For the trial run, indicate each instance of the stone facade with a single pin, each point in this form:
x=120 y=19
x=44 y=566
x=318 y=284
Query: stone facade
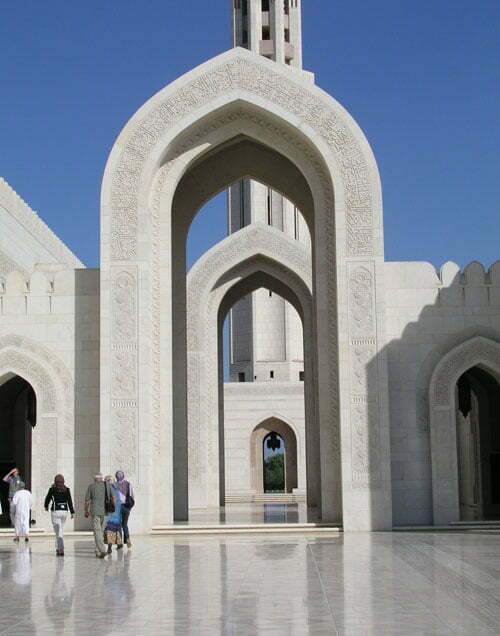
x=125 y=361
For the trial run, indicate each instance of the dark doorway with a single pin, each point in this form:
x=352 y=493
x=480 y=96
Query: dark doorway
x=17 y=419
x=274 y=463
x=478 y=445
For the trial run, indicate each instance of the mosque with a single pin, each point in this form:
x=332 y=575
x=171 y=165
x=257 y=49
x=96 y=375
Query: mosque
x=377 y=383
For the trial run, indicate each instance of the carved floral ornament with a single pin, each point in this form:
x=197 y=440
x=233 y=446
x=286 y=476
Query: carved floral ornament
x=477 y=351
x=50 y=378
x=270 y=84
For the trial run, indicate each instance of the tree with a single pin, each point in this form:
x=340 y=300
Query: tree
x=274 y=473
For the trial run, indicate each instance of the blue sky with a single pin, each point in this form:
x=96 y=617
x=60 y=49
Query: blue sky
x=421 y=78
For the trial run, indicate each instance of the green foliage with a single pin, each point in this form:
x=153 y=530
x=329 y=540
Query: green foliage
x=274 y=473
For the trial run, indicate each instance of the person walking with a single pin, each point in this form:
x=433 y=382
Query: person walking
x=61 y=504
x=22 y=502
x=126 y=495
x=97 y=498
x=113 y=529
x=12 y=478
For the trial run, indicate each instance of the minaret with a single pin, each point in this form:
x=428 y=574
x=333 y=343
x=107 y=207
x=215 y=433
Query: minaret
x=265 y=331
x=269 y=27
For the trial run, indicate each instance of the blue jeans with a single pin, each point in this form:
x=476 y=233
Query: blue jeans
x=125 y=513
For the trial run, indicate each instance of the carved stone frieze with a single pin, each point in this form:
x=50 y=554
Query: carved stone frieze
x=243 y=74
x=364 y=411
x=124 y=448
x=361 y=303
x=365 y=443
x=478 y=350
x=124 y=333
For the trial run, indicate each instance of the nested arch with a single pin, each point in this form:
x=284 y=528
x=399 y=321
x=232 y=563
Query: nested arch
x=257 y=256
x=477 y=352
x=235 y=104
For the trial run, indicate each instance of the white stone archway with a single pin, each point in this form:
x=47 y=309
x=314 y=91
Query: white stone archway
x=255 y=250
x=53 y=435
x=240 y=115
x=477 y=351
x=290 y=440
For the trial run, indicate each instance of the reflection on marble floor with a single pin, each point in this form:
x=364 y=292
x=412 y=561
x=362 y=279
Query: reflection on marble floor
x=384 y=583
x=251 y=513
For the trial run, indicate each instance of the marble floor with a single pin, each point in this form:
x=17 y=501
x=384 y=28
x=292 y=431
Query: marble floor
x=251 y=513
x=360 y=583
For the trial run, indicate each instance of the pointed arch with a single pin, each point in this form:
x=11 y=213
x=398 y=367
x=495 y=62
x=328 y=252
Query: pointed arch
x=286 y=432
x=258 y=254
x=477 y=351
x=172 y=155
x=53 y=387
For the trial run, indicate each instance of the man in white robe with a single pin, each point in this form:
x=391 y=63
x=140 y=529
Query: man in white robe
x=22 y=503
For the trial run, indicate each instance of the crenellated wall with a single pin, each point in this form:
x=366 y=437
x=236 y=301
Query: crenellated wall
x=427 y=314
x=50 y=320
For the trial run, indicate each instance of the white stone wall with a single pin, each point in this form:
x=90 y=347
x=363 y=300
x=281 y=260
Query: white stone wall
x=428 y=313
x=245 y=406
x=55 y=311
x=25 y=239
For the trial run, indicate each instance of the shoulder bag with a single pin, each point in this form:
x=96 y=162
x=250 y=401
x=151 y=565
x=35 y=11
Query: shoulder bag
x=129 y=500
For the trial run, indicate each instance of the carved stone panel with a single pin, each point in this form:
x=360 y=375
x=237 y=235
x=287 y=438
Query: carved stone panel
x=124 y=371
x=364 y=406
x=264 y=82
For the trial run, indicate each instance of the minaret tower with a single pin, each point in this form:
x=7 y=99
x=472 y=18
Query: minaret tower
x=269 y=27
x=265 y=331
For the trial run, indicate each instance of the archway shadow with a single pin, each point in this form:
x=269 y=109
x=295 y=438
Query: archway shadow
x=428 y=315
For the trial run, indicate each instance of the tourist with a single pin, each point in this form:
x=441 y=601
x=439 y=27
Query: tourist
x=22 y=502
x=126 y=495
x=59 y=498
x=99 y=501
x=113 y=529
x=12 y=478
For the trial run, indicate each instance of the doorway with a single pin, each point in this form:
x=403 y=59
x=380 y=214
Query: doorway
x=478 y=445
x=17 y=419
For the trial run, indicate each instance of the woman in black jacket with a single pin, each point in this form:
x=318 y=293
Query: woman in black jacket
x=59 y=499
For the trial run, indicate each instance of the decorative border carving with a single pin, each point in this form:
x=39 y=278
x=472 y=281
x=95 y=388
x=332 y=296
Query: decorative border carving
x=364 y=408
x=42 y=365
x=255 y=78
x=470 y=353
x=476 y=351
x=240 y=253
x=54 y=389
x=124 y=370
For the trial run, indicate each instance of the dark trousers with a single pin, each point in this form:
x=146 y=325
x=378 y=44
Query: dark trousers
x=125 y=513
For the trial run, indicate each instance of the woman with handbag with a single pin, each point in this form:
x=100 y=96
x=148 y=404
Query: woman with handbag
x=61 y=504
x=126 y=495
x=113 y=528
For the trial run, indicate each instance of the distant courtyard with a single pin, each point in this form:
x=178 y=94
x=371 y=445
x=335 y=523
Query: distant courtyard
x=357 y=583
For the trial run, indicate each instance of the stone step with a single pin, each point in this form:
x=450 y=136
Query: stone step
x=451 y=527
x=488 y=522
x=263 y=528
x=265 y=498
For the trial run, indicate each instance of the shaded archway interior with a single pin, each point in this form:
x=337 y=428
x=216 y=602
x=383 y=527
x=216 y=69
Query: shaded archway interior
x=240 y=158
x=17 y=419
x=267 y=279
x=214 y=171
x=478 y=444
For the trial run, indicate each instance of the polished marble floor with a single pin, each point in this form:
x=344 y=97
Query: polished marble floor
x=383 y=583
x=253 y=513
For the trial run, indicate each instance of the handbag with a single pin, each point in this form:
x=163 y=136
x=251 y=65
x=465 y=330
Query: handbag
x=129 y=500
x=109 y=504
